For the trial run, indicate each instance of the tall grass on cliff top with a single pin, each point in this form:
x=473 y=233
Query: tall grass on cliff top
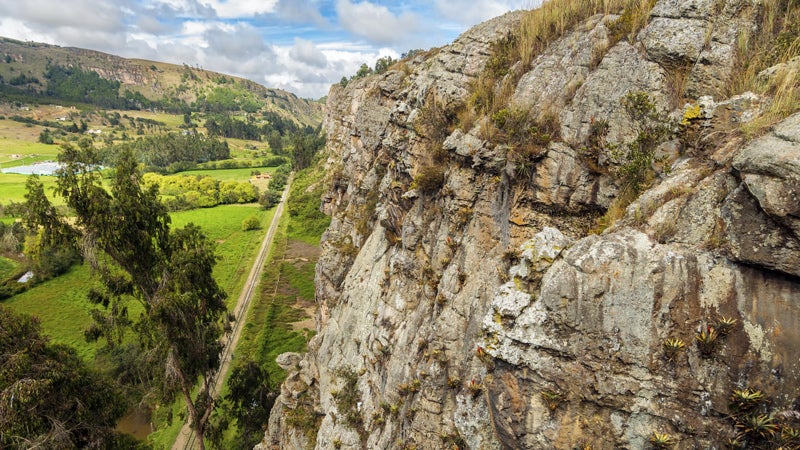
x=554 y=18
x=537 y=30
x=776 y=41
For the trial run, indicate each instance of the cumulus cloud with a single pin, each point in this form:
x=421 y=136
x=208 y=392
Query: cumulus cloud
x=173 y=10
x=240 y=41
x=302 y=46
x=81 y=14
x=221 y=9
x=232 y=9
x=376 y=22
x=300 y=11
x=306 y=52
x=471 y=12
x=151 y=25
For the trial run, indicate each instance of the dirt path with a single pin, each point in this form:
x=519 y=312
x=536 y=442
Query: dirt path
x=186 y=438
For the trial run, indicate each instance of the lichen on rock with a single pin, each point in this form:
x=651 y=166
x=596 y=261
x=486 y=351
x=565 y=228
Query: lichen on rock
x=481 y=311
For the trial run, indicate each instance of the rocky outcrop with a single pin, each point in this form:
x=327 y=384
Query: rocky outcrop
x=463 y=300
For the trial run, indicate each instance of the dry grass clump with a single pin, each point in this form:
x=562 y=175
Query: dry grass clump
x=776 y=41
x=513 y=54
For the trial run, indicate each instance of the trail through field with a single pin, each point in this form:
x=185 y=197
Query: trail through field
x=186 y=438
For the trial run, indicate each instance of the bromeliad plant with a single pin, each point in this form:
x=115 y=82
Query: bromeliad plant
x=707 y=341
x=661 y=441
x=745 y=400
x=552 y=399
x=672 y=347
x=755 y=428
x=725 y=325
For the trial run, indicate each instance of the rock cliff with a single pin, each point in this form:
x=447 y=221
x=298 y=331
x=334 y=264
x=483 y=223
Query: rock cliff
x=467 y=298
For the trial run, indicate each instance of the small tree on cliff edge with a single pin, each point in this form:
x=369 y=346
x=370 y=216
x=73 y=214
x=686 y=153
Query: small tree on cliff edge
x=128 y=241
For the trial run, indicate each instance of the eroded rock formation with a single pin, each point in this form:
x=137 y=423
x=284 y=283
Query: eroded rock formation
x=482 y=312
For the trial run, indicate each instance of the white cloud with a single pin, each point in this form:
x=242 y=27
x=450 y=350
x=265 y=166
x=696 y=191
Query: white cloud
x=300 y=45
x=222 y=9
x=151 y=25
x=235 y=9
x=81 y=14
x=239 y=41
x=376 y=22
x=306 y=52
x=300 y=11
x=472 y=12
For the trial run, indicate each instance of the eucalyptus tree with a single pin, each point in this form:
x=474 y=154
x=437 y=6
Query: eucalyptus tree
x=48 y=397
x=125 y=235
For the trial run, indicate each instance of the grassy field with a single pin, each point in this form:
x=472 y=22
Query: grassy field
x=170 y=120
x=229 y=174
x=7 y=267
x=236 y=249
x=12 y=188
x=61 y=303
x=61 y=306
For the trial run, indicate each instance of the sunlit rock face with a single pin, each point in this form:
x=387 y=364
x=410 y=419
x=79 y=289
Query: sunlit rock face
x=468 y=299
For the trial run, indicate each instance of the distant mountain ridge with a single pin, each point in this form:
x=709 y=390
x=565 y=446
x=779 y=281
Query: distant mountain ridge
x=24 y=65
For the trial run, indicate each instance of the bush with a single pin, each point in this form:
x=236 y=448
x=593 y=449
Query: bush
x=429 y=179
x=251 y=223
x=638 y=156
x=270 y=198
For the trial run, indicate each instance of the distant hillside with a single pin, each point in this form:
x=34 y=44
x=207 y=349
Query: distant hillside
x=28 y=68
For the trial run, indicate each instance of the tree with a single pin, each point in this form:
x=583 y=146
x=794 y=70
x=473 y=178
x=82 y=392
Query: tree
x=305 y=147
x=51 y=245
x=135 y=254
x=382 y=64
x=269 y=198
x=250 y=398
x=363 y=71
x=251 y=223
x=45 y=137
x=48 y=397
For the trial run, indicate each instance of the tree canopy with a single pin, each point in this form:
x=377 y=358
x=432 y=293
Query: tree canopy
x=48 y=397
x=125 y=235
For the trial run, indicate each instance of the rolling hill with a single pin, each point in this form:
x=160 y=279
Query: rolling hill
x=29 y=69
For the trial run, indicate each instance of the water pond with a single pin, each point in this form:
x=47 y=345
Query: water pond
x=40 y=168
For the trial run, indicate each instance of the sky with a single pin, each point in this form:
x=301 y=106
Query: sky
x=302 y=46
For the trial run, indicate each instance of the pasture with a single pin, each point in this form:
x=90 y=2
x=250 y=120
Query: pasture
x=12 y=188
x=229 y=174
x=61 y=304
x=7 y=267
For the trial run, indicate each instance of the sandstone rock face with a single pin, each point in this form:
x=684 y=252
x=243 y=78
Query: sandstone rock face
x=480 y=312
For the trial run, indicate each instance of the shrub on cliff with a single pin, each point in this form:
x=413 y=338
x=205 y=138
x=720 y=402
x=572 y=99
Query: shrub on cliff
x=429 y=179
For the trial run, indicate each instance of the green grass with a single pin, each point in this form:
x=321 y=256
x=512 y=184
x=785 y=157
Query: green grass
x=61 y=303
x=21 y=140
x=236 y=249
x=164 y=437
x=7 y=267
x=12 y=188
x=268 y=329
x=308 y=223
x=170 y=120
x=61 y=306
x=230 y=174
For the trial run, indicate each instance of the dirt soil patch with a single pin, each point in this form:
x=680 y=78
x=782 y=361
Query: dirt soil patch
x=299 y=249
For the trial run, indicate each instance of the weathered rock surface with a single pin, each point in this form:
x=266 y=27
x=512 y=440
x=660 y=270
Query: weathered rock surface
x=770 y=168
x=482 y=313
x=623 y=69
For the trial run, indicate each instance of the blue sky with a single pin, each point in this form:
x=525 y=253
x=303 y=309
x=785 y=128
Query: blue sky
x=302 y=46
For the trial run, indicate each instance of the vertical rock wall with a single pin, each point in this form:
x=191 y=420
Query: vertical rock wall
x=482 y=313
